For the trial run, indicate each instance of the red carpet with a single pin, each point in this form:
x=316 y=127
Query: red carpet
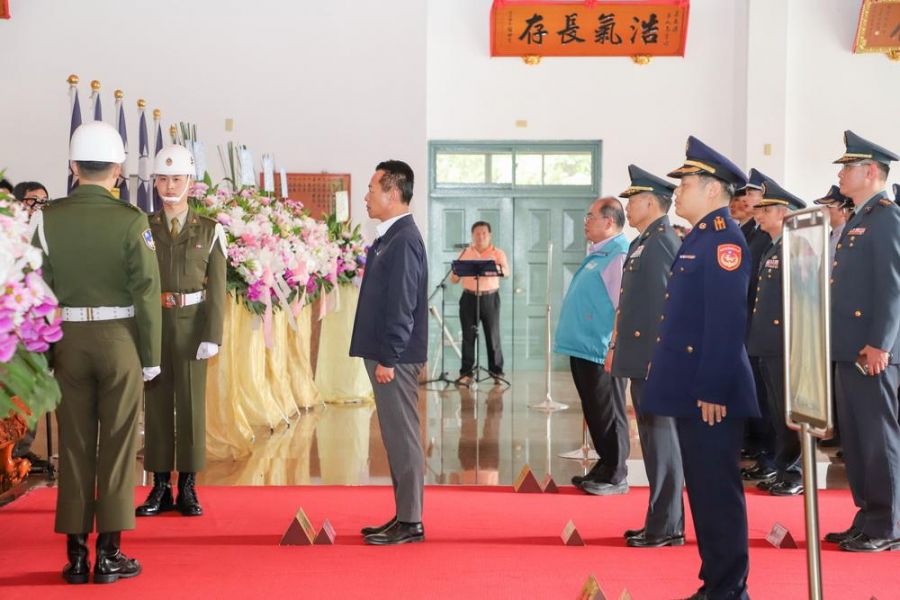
x=481 y=543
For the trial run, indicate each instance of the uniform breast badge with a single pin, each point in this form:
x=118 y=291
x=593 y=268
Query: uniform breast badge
x=729 y=256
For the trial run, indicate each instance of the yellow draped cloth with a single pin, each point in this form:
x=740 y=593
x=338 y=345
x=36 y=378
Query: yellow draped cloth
x=342 y=439
x=340 y=377
x=251 y=387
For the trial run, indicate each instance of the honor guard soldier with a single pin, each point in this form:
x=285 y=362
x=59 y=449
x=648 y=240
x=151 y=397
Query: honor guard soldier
x=641 y=303
x=865 y=345
x=191 y=251
x=700 y=373
x=100 y=262
x=766 y=339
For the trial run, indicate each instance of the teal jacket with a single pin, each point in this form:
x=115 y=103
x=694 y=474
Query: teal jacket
x=588 y=313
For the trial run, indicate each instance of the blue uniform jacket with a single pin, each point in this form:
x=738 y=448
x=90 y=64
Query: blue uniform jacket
x=865 y=282
x=391 y=324
x=700 y=352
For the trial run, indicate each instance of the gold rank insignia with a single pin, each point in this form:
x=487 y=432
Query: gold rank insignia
x=719 y=223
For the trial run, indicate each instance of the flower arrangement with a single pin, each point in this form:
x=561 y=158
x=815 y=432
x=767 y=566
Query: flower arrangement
x=352 y=260
x=277 y=253
x=28 y=320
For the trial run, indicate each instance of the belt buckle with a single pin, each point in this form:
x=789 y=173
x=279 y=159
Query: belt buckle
x=169 y=300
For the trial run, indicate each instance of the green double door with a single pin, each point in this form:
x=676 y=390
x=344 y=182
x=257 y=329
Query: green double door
x=523 y=228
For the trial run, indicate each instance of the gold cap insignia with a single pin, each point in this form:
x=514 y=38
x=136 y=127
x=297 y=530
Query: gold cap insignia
x=168 y=162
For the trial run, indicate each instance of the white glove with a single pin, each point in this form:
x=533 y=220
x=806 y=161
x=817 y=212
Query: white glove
x=207 y=350
x=151 y=372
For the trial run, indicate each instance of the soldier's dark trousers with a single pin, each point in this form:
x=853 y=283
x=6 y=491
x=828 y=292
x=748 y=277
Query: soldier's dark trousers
x=662 y=461
x=787 y=441
x=489 y=313
x=175 y=404
x=760 y=435
x=870 y=435
x=711 y=457
x=99 y=373
x=603 y=403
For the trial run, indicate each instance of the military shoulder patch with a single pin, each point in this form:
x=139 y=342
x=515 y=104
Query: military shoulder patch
x=148 y=239
x=719 y=223
x=729 y=256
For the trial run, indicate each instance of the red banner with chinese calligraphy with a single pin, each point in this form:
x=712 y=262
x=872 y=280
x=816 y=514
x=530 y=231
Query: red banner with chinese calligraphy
x=879 y=27
x=589 y=28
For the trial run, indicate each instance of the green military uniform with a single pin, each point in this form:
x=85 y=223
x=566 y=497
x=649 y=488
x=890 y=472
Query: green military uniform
x=175 y=407
x=99 y=253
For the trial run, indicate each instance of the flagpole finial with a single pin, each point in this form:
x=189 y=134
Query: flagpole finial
x=73 y=79
x=157 y=113
x=119 y=94
x=95 y=85
x=173 y=131
x=142 y=103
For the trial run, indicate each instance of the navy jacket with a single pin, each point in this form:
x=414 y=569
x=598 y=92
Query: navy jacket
x=865 y=282
x=758 y=241
x=391 y=324
x=641 y=300
x=766 y=330
x=700 y=352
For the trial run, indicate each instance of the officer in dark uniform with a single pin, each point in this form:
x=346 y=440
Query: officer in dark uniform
x=641 y=302
x=192 y=260
x=101 y=263
x=865 y=345
x=700 y=373
x=766 y=339
x=759 y=442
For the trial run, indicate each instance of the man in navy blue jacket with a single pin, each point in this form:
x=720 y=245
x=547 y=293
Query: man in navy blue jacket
x=391 y=334
x=700 y=373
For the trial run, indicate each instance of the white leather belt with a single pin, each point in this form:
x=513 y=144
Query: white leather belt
x=177 y=300
x=96 y=313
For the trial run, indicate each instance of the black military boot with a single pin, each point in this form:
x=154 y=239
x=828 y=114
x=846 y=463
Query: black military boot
x=79 y=566
x=187 y=496
x=160 y=497
x=111 y=564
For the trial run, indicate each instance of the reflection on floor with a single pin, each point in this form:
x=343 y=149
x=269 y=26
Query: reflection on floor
x=481 y=436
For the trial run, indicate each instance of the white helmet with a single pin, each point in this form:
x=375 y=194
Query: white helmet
x=174 y=160
x=97 y=142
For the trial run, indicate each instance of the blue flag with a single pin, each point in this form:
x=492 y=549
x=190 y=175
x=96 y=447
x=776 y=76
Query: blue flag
x=144 y=195
x=98 y=110
x=75 y=124
x=122 y=184
x=157 y=201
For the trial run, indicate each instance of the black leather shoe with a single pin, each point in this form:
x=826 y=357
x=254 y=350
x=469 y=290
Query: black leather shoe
x=159 y=499
x=398 y=533
x=766 y=484
x=630 y=533
x=840 y=537
x=758 y=473
x=187 y=504
x=379 y=528
x=594 y=474
x=749 y=454
x=79 y=567
x=604 y=488
x=643 y=541
x=786 y=488
x=112 y=565
x=834 y=442
x=863 y=543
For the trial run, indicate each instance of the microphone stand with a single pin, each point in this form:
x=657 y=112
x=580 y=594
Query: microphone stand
x=444 y=377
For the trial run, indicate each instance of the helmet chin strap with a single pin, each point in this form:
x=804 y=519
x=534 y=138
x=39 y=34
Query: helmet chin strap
x=178 y=198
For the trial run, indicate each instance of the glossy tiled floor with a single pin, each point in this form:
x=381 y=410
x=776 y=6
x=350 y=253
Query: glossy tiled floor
x=481 y=436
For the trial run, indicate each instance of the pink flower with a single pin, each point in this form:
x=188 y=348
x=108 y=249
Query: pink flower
x=8 y=345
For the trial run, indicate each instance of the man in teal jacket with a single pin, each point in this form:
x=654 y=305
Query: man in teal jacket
x=585 y=327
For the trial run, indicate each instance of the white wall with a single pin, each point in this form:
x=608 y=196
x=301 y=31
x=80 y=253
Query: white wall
x=643 y=114
x=830 y=89
x=334 y=85
x=755 y=72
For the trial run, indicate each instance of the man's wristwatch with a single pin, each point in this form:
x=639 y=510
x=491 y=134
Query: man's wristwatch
x=612 y=345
